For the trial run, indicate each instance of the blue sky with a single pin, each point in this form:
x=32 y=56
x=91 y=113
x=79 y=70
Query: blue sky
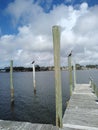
x=5 y=19
x=25 y=31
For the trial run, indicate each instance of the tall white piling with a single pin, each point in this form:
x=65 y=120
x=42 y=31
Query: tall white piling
x=58 y=90
x=74 y=71
x=11 y=81
x=70 y=73
x=34 y=81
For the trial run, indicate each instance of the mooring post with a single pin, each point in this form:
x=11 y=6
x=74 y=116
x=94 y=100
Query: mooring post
x=58 y=89
x=96 y=92
x=74 y=70
x=90 y=82
x=94 y=87
x=70 y=73
x=34 y=82
x=11 y=82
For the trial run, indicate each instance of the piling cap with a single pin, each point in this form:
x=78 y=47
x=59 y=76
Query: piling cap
x=55 y=26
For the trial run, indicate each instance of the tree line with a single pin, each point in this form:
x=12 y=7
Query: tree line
x=48 y=68
x=24 y=69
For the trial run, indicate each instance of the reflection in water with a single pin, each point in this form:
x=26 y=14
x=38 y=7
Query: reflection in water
x=12 y=106
x=12 y=111
x=34 y=91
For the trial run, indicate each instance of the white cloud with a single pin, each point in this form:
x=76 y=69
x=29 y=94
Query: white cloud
x=23 y=11
x=34 y=38
x=84 y=6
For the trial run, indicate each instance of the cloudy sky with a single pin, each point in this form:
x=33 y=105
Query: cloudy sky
x=26 y=31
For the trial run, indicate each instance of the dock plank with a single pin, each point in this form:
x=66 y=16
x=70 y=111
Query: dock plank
x=82 y=111
x=15 y=125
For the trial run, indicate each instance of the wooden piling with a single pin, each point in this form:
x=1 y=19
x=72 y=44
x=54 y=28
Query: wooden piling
x=74 y=70
x=56 y=46
x=34 y=81
x=94 y=87
x=92 y=83
x=11 y=82
x=70 y=74
x=96 y=91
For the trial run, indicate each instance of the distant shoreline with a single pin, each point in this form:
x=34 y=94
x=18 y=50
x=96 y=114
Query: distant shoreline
x=49 y=68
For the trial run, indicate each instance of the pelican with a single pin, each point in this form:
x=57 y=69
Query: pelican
x=70 y=54
x=33 y=62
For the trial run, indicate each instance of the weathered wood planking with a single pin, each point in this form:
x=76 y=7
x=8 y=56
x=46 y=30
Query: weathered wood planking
x=82 y=111
x=14 y=125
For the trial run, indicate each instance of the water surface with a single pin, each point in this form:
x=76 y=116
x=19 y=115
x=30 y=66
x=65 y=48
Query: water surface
x=39 y=108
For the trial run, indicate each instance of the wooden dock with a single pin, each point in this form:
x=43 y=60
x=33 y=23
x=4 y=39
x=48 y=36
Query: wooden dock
x=14 y=125
x=82 y=110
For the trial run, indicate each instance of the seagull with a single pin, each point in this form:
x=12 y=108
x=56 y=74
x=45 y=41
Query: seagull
x=33 y=62
x=70 y=53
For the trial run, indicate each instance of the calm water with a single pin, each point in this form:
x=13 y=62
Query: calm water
x=39 y=108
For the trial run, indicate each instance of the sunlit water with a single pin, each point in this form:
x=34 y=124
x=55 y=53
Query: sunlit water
x=39 y=108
